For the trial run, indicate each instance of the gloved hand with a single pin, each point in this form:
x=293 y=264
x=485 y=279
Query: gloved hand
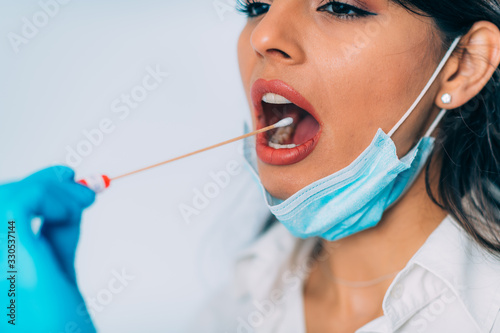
x=42 y=294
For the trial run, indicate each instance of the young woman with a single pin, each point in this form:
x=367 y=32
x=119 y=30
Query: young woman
x=388 y=205
x=385 y=247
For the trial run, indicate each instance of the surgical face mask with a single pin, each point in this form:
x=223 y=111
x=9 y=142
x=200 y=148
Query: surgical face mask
x=354 y=198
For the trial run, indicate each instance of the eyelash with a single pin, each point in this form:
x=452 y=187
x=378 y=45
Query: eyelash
x=254 y=8
x=249 y=7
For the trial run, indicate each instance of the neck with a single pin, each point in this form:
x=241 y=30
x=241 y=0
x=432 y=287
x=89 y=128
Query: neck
x=375 y=253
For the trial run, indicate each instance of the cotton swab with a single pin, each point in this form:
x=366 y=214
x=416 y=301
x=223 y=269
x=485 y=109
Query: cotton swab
x=99 y=183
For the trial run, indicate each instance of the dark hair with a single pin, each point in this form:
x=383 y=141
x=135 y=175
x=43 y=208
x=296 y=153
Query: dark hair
x=469 y=136
x=469 y=139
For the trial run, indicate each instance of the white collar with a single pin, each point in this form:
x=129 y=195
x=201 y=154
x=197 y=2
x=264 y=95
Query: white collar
x=448 y=262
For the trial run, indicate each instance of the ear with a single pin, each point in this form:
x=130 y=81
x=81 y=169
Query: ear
x=466 y=73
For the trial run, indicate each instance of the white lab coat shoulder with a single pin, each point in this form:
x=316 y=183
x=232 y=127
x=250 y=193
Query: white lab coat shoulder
x=449 y=285
x=267 y=279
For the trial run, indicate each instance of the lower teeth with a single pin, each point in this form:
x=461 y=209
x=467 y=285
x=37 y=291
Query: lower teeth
x=283 y=134
x=278 y=146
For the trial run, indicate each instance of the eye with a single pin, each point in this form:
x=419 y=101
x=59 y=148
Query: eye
x=252 y=8
x=343 y=10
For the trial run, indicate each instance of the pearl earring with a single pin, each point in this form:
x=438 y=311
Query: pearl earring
x=446 y=98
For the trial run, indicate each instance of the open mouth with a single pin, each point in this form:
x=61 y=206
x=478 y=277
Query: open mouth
x=273 y=101
x=304 y=127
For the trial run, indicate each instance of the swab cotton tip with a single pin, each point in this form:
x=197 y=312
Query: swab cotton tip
x=284 y=122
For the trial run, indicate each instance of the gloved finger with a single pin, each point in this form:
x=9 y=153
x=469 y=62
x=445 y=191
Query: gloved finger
x=81 y=193
x=17 y=204
x=63 y=240
x=57 y=207
x=63 y=177
x=61 y=230
x=20 y=226
x=31 y=192
x=64 y=201
x=57 y=173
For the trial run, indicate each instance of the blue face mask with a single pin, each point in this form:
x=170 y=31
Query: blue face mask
x=354 y=198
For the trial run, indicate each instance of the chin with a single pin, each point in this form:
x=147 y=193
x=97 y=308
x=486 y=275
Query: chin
x=281 y=181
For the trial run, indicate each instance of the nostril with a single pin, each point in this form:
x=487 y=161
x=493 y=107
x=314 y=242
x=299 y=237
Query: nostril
x=279 y=52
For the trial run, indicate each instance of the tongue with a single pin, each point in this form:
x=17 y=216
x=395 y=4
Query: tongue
x=306 y=129
x=305 y=126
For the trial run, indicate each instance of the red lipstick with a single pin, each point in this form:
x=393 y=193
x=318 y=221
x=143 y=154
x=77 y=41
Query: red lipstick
x=284 y=156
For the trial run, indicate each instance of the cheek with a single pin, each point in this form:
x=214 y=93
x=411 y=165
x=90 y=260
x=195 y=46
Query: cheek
x=368 y=88
x=359 y=94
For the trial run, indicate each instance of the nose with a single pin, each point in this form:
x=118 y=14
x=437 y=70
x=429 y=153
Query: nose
x=277 y=38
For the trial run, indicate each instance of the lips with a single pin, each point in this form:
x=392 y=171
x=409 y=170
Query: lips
x=292 y=144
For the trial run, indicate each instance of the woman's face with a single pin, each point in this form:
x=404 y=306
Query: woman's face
x=349 y=68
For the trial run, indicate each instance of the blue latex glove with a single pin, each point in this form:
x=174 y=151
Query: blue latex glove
x=47 y=298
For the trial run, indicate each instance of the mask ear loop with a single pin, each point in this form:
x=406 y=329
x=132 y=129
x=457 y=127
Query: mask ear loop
x=424 y=91
x=435 y=122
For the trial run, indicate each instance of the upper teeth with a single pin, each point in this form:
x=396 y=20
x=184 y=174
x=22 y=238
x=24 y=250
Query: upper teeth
x=275 y=99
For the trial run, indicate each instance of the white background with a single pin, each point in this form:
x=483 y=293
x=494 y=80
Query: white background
x=63 y=81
